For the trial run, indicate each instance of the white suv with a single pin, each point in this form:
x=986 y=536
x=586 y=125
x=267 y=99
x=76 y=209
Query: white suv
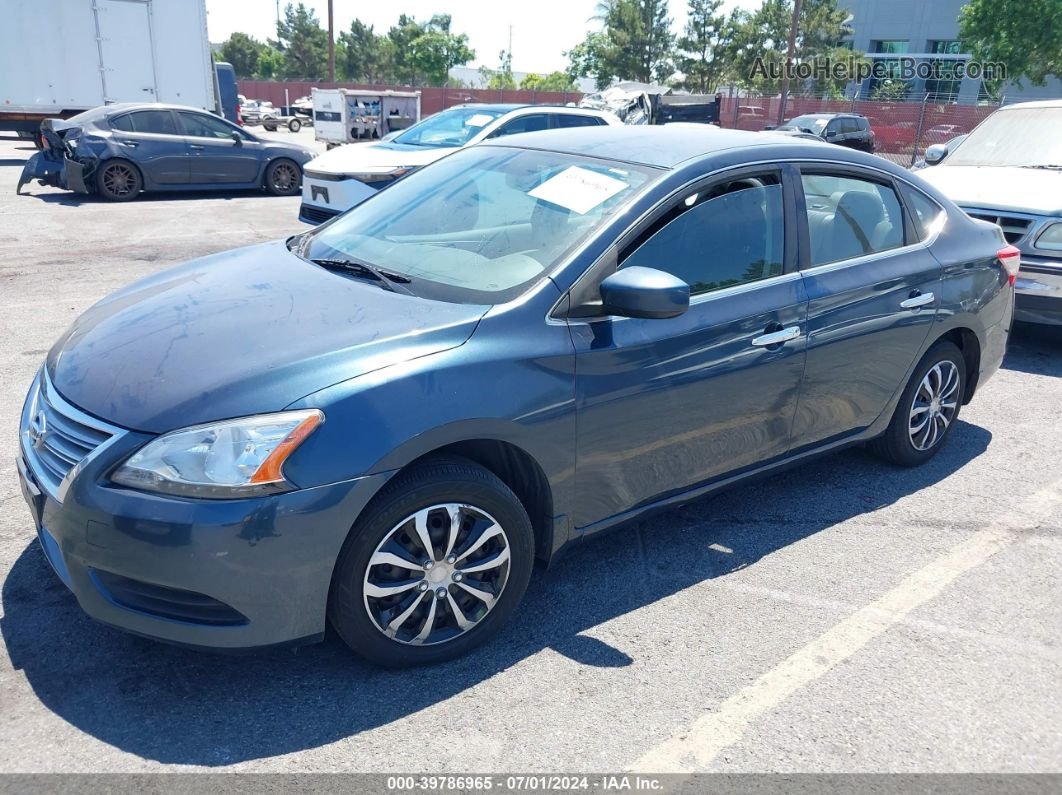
x=347 y=175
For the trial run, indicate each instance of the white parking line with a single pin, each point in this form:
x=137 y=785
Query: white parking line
x=696 y=747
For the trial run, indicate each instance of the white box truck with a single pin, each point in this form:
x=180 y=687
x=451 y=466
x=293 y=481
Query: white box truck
x=345 y=115
x=60 y=57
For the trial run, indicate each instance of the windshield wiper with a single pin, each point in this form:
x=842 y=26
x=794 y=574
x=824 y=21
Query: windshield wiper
x=387 y=279
x=1046 y=166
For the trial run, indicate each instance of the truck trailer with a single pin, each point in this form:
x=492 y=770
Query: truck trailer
x=60 y=57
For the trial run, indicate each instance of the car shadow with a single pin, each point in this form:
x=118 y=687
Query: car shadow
x=1035 y=349
x=176 y=705
x=69 y=199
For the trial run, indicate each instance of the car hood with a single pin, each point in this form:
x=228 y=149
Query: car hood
x=239 y=333
x=374 y=158
x=300 y=154
x=1025 y=190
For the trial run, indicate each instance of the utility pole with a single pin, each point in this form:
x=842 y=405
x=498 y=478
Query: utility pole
x=331 y=46
x=790 y=53
x=278 y=17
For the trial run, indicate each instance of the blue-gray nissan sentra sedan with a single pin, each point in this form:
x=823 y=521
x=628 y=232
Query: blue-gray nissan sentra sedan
x=384 y=421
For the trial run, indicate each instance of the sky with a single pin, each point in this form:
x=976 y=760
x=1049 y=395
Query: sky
x=541 y=29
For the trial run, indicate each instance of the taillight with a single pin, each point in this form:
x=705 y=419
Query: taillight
x=1010 y=258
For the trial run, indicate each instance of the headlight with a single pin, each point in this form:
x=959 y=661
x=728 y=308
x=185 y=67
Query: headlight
x=233 y=458
x=1051 y=238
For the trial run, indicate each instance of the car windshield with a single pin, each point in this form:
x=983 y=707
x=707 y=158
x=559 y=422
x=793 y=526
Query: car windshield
x=481 y=225
x=454 y=127
x=813 y=123
x=1026 y=137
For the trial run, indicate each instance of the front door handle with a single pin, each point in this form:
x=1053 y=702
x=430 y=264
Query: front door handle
x=776 y=337
x=917 y=300
x=196 y=147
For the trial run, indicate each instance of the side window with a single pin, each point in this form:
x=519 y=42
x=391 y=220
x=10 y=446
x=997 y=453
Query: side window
x=850 y=217
x=146 y=121
x=833 y=128
x=850 y=125
x=201 y=125
x=571 y=120
x=924 y=210
x=531 y=123
x=730 y=234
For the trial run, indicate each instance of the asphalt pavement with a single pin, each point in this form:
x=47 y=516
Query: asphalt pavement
x=845 y=616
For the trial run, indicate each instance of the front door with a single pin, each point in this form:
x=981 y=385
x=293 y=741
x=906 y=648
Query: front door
x=215 y=157
x=664 y=405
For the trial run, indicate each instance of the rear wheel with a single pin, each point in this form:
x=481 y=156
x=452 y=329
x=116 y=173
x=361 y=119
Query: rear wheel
x=434 y=567
x=283 y=178
x=928 y=408
x=294 y=125
x=118 y=181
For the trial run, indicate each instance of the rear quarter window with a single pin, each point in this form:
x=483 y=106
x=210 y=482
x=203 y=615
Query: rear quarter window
x=925 y=212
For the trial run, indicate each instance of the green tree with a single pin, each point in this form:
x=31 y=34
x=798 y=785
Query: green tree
x=270 y=61
x=362 y=56
x=554 y=81
x=502 y=77
x=423 y=54
x=304 y=43
x=890 y=90
x=636 y=43
x=698 y=56
x=1024 y=35
x=242 y=51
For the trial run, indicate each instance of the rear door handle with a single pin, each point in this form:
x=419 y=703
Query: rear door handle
x=125 y=142
x=917 y=300
x=196 y=147
x=776 y=337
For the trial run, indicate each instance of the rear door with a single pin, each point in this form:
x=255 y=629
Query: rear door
x=150 y=139
x=216 y=157
x=125 y=49
x=873 y=293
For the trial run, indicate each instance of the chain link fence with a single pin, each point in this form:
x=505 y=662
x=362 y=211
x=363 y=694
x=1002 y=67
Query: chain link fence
x=902 y=128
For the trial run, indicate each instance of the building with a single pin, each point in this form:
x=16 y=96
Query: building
x=925 y=33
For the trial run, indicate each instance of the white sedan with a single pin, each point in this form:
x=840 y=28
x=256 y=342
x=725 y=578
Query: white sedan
x=347 y=175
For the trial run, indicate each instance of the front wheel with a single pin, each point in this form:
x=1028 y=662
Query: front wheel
x=283 y=178
x=118 y=181
x=434 y=567
x=294 y=125
x=928 y=408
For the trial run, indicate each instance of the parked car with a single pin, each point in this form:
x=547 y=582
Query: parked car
x=116 y=151
x=936 y=153
x=845 y=129
x=254 y=111
x=347 y=175
x=1009 y=171
x=385 y=420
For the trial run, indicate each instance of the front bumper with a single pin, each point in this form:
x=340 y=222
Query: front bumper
x=324 y=197
x=1039 y=297
x=226 y=574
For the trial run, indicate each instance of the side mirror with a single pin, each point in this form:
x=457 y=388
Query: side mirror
x=645 y=293
x=831 y=133
x=936 y=153
x=236 y=138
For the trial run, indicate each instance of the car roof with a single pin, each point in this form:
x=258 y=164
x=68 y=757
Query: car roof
x=665 y=146
x=104 y=111
x=1043 y=103
x=509 y=107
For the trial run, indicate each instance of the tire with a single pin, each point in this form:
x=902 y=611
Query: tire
x=294 y=125
x=910 y=441
x=283 y=177
x=418 y=626
x=118 y=181
x=270 y=127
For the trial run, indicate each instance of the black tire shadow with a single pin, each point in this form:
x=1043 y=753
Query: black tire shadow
x=77 y=199
x=1035 y=349
x=179 y=706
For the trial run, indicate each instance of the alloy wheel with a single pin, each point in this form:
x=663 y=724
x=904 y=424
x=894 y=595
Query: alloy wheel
x=284 y=177
x=436 y=574
x=935 y=404
x=119 y=179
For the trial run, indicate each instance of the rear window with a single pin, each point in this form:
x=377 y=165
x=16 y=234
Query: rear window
x=571 y=120
x=159 y=122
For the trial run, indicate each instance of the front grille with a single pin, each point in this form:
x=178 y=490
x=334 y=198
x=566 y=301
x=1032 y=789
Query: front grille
x=57 y=436
x=164 y=602
x=1014 y=228
x=316 y=215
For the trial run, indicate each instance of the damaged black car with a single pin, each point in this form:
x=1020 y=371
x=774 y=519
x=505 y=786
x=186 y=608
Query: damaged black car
x=117 y=151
